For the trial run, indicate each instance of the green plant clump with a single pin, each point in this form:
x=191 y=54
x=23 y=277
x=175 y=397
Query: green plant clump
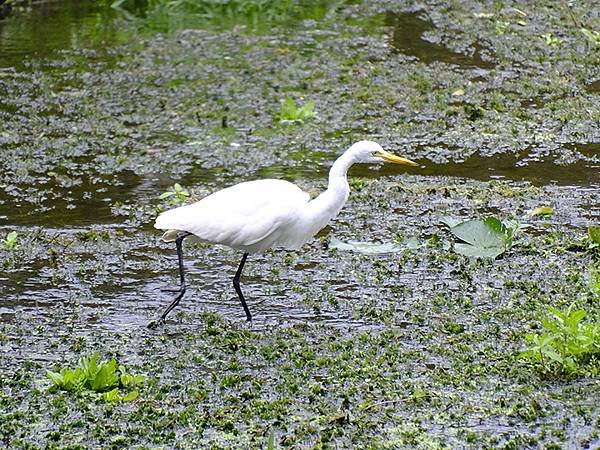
x=104 y=377
x=10 y=242
x=291 y=113
x=568 y=346
x=178 y=195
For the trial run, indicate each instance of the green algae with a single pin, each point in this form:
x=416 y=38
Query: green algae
x=413 y=349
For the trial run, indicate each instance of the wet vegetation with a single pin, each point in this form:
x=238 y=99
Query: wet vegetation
x=377 y=334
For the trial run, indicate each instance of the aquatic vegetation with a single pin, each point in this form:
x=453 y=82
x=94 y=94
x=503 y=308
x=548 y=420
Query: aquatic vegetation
x=291 y=113
x=211 y=9
x=594 y=236
x=551 y=40
x=544 y=211
x=104 y=377
x=408 y=349
x=178 y=195
x=10 y=241
x=487 y=238
x=592 y=35
x=368 y=248
x=167 y=15
x=594 y=280
x=567 y=346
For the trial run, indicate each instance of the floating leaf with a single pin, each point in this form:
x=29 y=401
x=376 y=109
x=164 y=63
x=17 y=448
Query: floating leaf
x=541 y=211
x=450 y=221
x=483 y=238
x=130 y=396
x=368 y=248
x=473 y=251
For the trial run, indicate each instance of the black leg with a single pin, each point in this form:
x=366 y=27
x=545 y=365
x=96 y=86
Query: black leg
x=179 y=243
x=236 y=285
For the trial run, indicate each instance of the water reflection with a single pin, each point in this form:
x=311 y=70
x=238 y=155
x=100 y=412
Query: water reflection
x=40 y=29
x=407 y=37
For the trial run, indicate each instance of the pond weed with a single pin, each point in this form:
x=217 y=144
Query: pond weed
x=106 y=378
x=290 y=113
x=567 y=345
x=10 y=241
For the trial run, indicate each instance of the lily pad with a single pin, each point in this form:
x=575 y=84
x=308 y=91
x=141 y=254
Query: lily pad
x=367 y=248
x=486 y=238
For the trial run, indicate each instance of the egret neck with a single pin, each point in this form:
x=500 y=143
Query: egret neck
x=329 y=203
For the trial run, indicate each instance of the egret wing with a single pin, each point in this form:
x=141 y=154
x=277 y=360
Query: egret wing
x=241 y=216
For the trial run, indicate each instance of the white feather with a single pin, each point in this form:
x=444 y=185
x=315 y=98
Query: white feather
x=250 y=216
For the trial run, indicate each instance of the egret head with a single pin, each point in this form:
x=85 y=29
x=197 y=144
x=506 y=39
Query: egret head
x=372 y=152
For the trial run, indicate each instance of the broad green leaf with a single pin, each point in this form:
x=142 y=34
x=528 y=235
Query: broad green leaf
x=487 y=233
x=111 y=396
x=450 y=221
x=594 y=234
x=89 y=366
x=288 y=109
x=368 y=248
x=130 y=396
x=551 y=353
x=128 y=380
x=575 y=317
x=546 y=340
x=541 y=211
x=166 y=195
x=484 y=238
x=56 y=378
x=307 y=110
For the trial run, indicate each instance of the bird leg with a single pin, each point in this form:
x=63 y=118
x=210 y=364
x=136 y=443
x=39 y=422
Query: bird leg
x=236 y=285
x=179 y=243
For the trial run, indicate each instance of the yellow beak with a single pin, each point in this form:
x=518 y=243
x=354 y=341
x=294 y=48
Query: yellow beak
x=388 y=157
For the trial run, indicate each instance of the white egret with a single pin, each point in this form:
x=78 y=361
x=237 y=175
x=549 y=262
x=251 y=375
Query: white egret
x=257 y=215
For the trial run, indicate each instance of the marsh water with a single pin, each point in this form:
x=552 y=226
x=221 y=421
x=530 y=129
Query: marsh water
x=103 y=109
x=64 y=182
x=62 y=172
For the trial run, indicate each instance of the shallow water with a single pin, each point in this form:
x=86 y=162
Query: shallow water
x=74 y=195
x=103 y=116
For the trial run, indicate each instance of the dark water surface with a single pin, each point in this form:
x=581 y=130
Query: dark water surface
x=38 y=30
